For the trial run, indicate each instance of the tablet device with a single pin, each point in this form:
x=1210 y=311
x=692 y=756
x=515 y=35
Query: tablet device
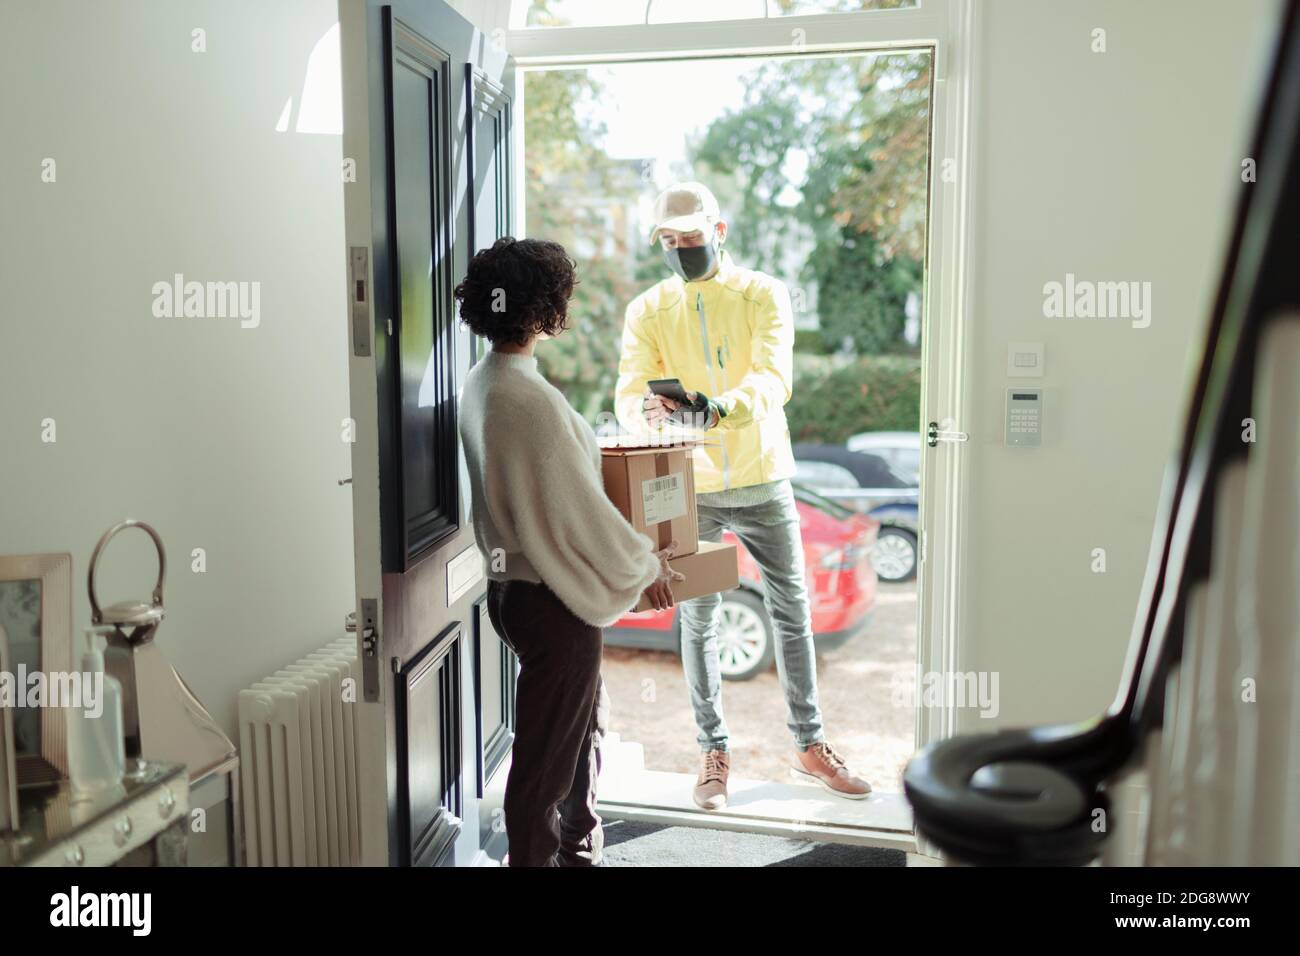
x=670 y=388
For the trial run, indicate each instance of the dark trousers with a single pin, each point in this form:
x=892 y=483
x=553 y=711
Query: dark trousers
x=561 y=713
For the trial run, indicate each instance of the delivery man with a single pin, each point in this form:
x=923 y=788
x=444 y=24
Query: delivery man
x=727 y=334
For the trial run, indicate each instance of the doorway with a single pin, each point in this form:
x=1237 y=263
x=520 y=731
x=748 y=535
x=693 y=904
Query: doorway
x=437 y=710
x=821 y=165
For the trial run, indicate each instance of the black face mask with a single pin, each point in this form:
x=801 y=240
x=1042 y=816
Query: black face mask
x=692 y=262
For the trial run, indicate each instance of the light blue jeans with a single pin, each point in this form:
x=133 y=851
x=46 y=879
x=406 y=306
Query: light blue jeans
x=770 y=532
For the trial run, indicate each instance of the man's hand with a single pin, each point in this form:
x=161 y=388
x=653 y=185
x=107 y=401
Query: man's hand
x=660 y=594
x=659 y=410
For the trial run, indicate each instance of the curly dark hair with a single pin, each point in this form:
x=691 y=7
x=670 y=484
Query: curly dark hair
x=517 y=289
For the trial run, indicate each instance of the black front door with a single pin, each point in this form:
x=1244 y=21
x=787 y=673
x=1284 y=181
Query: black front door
x=427 y=122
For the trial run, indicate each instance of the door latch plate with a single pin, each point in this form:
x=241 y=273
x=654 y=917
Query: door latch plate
x=368 y=648
x=359 y=297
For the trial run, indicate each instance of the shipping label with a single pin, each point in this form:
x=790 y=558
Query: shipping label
x=663 y=498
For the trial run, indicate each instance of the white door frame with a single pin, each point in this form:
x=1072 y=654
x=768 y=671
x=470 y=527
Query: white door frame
x=372 y=769
x=949 y=28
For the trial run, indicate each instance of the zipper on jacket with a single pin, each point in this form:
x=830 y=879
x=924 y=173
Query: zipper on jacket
x=713 y=383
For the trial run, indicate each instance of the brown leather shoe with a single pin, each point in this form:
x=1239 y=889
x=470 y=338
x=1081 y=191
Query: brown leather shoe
x=711 y=785
x=824 y=765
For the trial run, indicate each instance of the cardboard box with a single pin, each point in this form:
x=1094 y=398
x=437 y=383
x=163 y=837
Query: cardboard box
x=712 y=568
x=654 y=487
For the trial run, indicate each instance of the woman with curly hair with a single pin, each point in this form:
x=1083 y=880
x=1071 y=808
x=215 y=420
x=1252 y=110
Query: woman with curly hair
x=562 y=561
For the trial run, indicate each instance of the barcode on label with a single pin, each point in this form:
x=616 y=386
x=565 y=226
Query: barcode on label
x=664 y=498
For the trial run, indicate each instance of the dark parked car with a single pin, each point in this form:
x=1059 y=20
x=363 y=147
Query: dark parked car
x=868 y=484
x=902 y=450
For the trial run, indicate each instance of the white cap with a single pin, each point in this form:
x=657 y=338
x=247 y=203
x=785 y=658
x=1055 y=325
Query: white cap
x=685 y=207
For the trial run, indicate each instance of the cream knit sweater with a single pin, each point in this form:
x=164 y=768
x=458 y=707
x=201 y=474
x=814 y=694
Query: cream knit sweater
x=540 y=510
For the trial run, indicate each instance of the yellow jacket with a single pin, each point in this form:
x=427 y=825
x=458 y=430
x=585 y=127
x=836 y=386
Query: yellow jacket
x=732 y=338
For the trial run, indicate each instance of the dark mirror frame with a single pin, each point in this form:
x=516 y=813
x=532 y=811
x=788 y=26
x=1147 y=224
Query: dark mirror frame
x=54 y=572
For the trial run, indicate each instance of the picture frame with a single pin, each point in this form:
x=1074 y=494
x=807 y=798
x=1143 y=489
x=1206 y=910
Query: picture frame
x=8 y=773
x=36 y=615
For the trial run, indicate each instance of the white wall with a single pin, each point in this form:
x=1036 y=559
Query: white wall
x=1113 y=166
x=225 y=439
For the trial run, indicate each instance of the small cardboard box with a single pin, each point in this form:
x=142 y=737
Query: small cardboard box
x=712 y=568
x=654 y=487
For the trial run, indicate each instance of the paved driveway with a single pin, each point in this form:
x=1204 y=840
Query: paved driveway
x=650 y=705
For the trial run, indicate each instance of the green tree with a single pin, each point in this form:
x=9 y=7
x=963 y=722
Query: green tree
x=869 y=393
x=568 y=176
x=860 y=127
x=823 y=172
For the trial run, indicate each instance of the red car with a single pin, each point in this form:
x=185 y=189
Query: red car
x=837 y=544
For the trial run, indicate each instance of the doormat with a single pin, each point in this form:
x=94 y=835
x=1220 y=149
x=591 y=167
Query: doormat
x=631 y=843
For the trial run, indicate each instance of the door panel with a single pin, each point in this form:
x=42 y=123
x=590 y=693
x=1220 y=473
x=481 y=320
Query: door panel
x=410 y=217
x=418 y=469
x=495 y=671
x=429 y=715
x=489 y=85
x=491 y=153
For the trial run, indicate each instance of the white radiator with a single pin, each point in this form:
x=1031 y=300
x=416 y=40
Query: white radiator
x=298 y=745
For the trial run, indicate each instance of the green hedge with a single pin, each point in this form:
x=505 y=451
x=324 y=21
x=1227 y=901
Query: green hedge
x=810 y=341
x=836 y=398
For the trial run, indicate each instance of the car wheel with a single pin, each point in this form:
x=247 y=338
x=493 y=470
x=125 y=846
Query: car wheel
x=895 y=555
x=745 y=643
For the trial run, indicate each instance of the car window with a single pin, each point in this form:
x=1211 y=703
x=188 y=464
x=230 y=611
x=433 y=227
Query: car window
x=904 y=463
x=824 y=476
x=875 y=471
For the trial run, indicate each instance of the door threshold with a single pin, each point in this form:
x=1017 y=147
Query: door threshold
x=792 y=809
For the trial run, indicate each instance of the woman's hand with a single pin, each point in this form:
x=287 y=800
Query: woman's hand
x=659 y=593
